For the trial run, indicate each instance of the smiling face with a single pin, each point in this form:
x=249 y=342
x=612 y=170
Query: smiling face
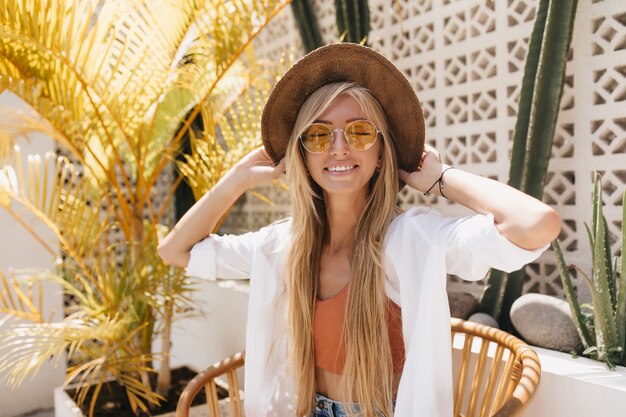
x=342 y=169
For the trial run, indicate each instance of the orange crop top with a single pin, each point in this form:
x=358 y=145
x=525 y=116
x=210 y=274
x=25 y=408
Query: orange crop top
x=328 y=321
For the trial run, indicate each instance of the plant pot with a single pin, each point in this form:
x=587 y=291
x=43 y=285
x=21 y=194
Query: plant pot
x=65 y=406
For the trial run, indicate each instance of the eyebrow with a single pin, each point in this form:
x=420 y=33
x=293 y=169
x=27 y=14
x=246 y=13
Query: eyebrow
x=326 y=122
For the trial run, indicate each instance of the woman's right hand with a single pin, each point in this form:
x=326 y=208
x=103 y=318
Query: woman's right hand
x=427 y=173
x=254 y=169
x=257 y=168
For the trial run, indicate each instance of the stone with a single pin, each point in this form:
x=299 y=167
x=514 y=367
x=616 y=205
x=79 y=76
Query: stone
x=484 y=318
x=462 y=304
x=546 y=321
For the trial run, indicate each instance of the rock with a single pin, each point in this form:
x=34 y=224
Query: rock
x=462 y=304
x=546 y=321
x=484 y=318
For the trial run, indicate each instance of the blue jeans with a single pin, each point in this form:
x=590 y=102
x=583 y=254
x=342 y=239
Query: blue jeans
x=325 y=407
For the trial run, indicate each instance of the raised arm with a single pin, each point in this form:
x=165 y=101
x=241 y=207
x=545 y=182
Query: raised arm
x=254 y=169
x=522 y=219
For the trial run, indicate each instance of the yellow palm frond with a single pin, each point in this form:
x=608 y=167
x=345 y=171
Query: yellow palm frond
x=24 y=123
x=21 y=297
x=231 y=25
x=117 y=358
x=224 y=33
x=8 y=73
x=263 y=198
x=24 y=348
x=112 y=75
x=169 y=112
x=131 y=54
x=142 y=63
x=179 y=102
x=231 y=132
x=204 y=166
x=228 y=89
x=113 y=355
x=100 y=335
x=37 y=41
x=60 y=125
x=6 y=142
x=50 y=189
x=113 y=81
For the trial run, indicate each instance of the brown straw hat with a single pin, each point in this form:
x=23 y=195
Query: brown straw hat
x=346 y=62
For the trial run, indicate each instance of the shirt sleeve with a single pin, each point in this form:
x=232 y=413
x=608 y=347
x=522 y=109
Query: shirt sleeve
x=474 y=244
x=227 y=256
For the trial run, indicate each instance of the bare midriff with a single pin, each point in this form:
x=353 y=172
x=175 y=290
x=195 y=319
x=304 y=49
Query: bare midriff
x=327 y=384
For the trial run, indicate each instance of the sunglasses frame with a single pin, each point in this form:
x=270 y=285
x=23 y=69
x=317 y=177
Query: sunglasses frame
x=332 y=136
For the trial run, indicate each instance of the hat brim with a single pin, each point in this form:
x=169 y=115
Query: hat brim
x=354 y=63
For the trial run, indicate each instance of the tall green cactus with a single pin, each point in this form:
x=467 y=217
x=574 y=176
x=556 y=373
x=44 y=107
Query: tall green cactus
x=307 y=24
x=580 y=319
x=353 y=20
x=352 y=16
x=604 y=338
x=620 y=307
x=540 y=96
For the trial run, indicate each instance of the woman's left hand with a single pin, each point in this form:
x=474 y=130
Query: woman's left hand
x=522 y=219
x=427 y=172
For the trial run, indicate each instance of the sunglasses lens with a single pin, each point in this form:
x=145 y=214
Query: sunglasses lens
x=361 y=134
x=316 y=138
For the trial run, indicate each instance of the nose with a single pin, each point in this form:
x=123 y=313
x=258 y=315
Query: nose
x=339 y=146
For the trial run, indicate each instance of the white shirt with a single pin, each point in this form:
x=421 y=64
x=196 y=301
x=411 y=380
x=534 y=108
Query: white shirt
x=420 y=248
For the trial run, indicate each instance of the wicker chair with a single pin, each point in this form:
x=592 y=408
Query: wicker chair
x=207 y=380
x=500 y=380
x=497 y=382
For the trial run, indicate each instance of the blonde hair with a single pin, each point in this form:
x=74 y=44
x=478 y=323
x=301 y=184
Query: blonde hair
x=368 y=373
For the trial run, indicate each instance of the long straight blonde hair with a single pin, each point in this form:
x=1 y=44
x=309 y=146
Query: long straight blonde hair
x=367 y=374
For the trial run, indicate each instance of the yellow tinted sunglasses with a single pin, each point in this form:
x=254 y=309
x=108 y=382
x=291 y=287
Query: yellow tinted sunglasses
x=360 y=136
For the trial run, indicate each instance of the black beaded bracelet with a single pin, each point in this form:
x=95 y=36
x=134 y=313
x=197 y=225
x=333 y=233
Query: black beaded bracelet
x=440 y=183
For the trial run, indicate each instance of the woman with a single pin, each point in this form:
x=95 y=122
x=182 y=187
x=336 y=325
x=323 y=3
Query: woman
x=348 y=312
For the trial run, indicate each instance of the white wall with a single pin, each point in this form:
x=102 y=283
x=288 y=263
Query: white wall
x=577 y=387
x=218 y=332
x=19 y=250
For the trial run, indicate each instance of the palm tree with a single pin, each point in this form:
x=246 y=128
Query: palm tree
x=117 y=84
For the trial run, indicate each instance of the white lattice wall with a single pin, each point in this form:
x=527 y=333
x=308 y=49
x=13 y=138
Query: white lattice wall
x=465 y=60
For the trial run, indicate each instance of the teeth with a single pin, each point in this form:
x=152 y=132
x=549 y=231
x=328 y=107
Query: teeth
x=340 y=169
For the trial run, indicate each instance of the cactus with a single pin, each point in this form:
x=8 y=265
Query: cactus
x=580 y=320
x=542 y=86
x=353 y=20
x=620 y=307
x=352 y=16
x=606 y=342
x=307 y=24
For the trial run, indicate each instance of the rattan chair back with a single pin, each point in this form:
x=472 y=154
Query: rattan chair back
x=498 y=380
x=207 y=380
